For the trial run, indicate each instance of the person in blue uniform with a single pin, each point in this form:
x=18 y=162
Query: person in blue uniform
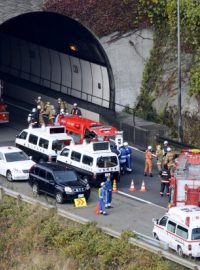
x=102 y=199
x=108 y=186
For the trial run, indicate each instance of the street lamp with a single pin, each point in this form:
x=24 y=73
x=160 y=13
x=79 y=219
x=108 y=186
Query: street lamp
x=180 y=125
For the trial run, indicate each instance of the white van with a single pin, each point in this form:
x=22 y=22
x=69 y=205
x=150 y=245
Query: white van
x=180 y=229
x=43 y=144
x=91 y=160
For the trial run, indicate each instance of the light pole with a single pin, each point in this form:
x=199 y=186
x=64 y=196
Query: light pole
x=180 y=125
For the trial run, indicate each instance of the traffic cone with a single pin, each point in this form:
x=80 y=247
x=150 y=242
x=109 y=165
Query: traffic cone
x=143 y=188
x=132 y=187
x=97 y=209
x=114 y=186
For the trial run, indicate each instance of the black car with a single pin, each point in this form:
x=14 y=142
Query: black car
x=58 y=181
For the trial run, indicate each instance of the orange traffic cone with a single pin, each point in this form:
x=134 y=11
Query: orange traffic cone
x=114 y=186
x=132 y=187
x=97 y=209
x=143 y=188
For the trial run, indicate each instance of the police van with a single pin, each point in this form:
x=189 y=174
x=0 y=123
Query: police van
x=92 y=161
x=43 y=144
x=180 y=229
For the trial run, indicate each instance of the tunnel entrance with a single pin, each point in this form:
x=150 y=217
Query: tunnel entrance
x=51 y=52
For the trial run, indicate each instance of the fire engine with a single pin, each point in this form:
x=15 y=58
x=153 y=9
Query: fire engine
x=4 y=115
x=81 y=128
x=185 y=182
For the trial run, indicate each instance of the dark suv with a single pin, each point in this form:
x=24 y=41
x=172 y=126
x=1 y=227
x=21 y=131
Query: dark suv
x=58 y=181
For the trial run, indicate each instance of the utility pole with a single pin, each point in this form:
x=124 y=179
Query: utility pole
x=180 y=124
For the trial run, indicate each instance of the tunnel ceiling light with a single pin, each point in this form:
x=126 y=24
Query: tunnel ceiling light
x=73 y=47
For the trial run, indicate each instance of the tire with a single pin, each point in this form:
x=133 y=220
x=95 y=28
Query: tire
x=59 y=198
x=35 y=190
x=180 y=251
x=9 y=176
x=155 y=236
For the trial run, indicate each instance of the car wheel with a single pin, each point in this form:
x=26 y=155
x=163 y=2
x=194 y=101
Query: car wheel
x=9 y=176
x=180 y=251
x=59 y=197
x=35 y=189
x=155 y=236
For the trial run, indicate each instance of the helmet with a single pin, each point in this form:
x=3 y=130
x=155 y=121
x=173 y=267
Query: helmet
x=165 y=142
x=38 y=107
x=75 y=105
x=48 y=103
x=34 y=110
x=149 y=147
x=168 y=149
x=39 y=98
x=158 y=147
x=59 y=100
x=125 y=144
x=102 y=184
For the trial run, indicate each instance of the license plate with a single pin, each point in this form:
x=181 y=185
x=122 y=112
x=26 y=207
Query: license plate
x=80 y=195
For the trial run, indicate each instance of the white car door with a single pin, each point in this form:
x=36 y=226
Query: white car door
x=3 y=164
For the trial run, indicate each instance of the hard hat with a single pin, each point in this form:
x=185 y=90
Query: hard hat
x=168 y=149
x=149 y=147
x=102 y=184
x=125 y=144
x=34 y=110
x=165 y=142
x=59 y=99
x=39 y=98
x=75 y=105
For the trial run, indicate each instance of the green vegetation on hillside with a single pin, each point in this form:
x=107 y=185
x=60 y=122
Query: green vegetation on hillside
x=32 y=238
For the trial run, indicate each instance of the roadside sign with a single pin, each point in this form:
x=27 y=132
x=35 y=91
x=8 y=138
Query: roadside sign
x=80 y=202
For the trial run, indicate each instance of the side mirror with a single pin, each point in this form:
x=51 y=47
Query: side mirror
x=17 y=136
x=30 y=157
x=155 y=220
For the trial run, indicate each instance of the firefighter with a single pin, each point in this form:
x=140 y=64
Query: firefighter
x=62 y=105
x=169 y=159
x=33 y=118
x=40 y=103
x=49 y=113
x=108 y=186
x=102 y=199
x=159 y=156
x=148 y=161
x=165 y=148
x=75 y=110
x=165 y=180
x=40 y=116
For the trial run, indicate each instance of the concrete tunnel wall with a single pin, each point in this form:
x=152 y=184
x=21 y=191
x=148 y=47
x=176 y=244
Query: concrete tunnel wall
x=85 y=74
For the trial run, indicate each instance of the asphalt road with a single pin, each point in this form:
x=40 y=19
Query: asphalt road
x=131 y=210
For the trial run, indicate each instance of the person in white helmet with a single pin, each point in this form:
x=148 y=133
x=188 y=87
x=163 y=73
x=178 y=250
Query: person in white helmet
x=165 y=145
x=170 y=159
x=148 y=162
x=40 y=103
x=75 y=110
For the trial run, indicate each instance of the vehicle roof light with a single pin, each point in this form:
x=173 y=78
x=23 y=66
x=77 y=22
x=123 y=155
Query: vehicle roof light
x=187 y=221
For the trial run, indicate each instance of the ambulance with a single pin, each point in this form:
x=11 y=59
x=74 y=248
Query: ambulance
x=185 y=182
x=180 y=229
x=81 y=128
x=92 y=161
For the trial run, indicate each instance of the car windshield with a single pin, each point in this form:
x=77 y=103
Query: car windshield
x=105 y=162
x=16 y=156
x=196 y=234
x=65 y=176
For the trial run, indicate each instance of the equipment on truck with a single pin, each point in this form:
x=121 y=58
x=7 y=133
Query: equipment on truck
x=81 y=128
x=4 y=115
x=185 y=182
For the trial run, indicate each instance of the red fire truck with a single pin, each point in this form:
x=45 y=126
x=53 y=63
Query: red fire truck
x=4 y=115
x=185 y=183
x=81 y=128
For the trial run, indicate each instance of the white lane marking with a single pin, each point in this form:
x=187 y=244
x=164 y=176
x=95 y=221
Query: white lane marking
x=141 y=200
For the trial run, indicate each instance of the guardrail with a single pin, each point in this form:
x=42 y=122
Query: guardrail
x=177 y=144
x=140 y=240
